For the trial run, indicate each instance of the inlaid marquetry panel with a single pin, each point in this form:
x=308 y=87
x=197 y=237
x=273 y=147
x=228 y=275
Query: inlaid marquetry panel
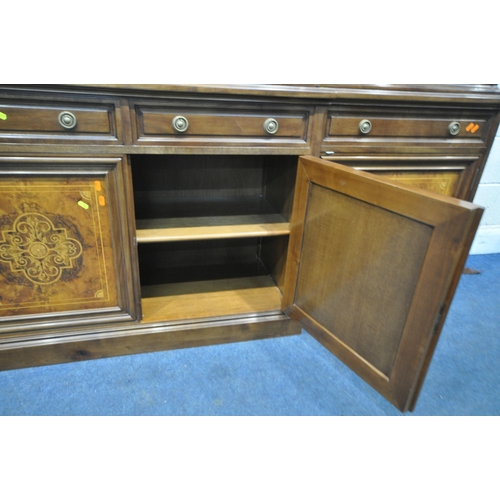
x=438 y=182
x=446 y=175
x=56 y=250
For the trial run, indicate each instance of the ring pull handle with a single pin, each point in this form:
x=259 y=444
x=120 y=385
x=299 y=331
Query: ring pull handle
x=454 y=128
x=271 y=126
x=67 y=120
x=365 y=126
x=180 y=123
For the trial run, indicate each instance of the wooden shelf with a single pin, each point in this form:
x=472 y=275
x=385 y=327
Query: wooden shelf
x=208 y=299
x=206 y=228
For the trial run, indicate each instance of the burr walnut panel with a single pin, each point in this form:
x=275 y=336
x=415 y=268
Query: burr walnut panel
x=439 y=182
x=55 y=246
x=450 y=176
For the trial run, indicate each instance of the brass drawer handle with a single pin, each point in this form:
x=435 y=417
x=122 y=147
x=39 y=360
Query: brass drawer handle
x=454 y=128
x=180 y=123
x=67 y=120
x=271 y=126
x=365 y=126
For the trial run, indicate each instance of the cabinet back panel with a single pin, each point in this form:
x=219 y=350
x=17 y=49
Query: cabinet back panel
x=203 y=176
x=188 y=186
x=199 y=260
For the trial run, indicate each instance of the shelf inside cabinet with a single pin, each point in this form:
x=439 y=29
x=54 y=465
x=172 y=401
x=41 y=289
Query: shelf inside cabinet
x=185 y=280
x=208 y=299
x=212 y=227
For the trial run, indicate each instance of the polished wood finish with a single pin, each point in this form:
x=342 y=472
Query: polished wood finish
x=211 y=228
x=439 y=182
x=99 y=343
x=390 y=254
x=173 y=302
x=29 y=120
x=56 y=253
x=153 y=123
x=412 y=129
x=199 y=221
x=451 y=176
x=62 y=242
x=415 y=127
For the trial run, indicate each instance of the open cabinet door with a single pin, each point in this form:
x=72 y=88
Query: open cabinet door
x=372 y=267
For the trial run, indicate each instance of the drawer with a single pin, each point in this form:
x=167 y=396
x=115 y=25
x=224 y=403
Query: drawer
x=392 y=127
x=59 y=122
x=228 y=124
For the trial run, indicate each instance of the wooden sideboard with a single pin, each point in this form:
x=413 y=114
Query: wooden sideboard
x=138 y=218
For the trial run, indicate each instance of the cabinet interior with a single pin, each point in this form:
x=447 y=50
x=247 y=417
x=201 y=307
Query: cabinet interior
x=212 y=233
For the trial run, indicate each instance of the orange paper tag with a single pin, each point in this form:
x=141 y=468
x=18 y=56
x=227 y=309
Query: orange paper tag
x=472 y=128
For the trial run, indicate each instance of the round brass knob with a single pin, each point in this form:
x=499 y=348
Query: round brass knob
x=271 y=126
x=365 y=126
x=180 y=123
x=67 y=120
x=454 y=128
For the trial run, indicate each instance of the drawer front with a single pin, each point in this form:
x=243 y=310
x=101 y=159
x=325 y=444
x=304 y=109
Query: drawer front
x=229 y=124
x=390 y=128
x=59 y=122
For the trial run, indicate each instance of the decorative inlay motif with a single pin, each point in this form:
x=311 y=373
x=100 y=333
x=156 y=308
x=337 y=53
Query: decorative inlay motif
x=38 y=249
x=56 y=245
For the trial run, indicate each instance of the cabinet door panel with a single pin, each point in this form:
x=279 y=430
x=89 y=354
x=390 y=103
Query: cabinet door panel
x=371 y=270
x=439 y=182
x=448 y=175
x=60 y=240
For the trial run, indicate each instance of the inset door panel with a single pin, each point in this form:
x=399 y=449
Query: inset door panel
x=439 y=182
x=367 y=298
x=450 y=176
x=61 y=239
x=371 y=270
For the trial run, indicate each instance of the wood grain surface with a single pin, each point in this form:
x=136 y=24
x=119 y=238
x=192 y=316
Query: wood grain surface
x=371 y=268
x=55 y=246
x=206 y=299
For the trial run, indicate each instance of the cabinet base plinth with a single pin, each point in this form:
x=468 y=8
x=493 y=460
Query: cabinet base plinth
x=94 y=345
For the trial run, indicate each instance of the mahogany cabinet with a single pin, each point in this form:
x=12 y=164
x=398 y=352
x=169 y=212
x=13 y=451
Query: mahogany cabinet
x=136 y=218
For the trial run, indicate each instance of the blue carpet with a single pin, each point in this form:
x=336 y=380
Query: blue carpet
x=284 y=376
